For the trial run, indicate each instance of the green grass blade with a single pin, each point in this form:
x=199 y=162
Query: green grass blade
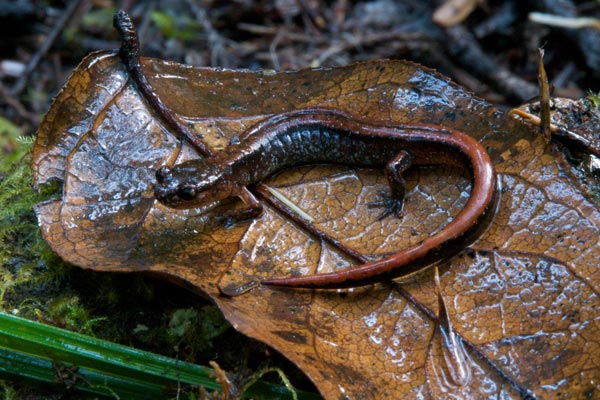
x=34 y=351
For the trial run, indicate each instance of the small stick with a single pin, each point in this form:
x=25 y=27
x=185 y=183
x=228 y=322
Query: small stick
x=218 y=56
x=308 y=226
x=13 y=101
x=544 y=97
x=558 y=132
x=564 y=22
x=464 y=48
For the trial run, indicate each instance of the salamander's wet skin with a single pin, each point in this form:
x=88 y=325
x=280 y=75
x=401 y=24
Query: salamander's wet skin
x=319 y=135
x=322 y=135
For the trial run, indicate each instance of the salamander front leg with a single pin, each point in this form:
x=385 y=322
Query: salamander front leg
x=394 y=170
x=252 y=208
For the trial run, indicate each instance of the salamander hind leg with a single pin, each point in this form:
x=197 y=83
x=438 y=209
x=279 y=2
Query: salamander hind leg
x=394 y=203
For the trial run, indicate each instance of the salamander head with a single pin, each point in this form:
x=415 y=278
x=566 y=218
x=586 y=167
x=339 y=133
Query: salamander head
x=191 y=184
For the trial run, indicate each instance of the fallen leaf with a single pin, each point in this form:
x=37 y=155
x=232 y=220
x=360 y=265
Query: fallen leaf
x=453 y=12
x=523 y=300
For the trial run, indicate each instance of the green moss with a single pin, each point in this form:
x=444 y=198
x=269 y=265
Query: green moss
x=98 y=19
x=594 y=98
x=8 y=392
x=22 y=250
x=35 y=283
x=192 y=330
x=173 y=27
x=130 y=309
x=32 y=277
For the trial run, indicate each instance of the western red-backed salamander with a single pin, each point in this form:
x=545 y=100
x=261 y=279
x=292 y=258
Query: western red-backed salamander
x=319 y=135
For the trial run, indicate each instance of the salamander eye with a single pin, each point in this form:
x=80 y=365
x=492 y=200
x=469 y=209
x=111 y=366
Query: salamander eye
x=162 y=174
x=186 y=193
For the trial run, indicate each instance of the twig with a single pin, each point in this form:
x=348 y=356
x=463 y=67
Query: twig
x=216 y=42
x=145 y=19
x=544 y=96
x=13 y=101
x=314 y=17
x=307 y=225
x=273 y=50
x=272 y=30
x=587 y=39
x=370 y=39
x=50 y=39
x=564 y=22
x=559 y=133
x=463 y=46
x=350 y=41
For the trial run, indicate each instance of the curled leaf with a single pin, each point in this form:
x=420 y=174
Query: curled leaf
x=523 y=300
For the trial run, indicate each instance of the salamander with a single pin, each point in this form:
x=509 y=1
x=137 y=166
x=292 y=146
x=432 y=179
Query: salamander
x=321 y=135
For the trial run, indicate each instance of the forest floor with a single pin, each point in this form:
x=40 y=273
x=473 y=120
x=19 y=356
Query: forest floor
x=489 y=47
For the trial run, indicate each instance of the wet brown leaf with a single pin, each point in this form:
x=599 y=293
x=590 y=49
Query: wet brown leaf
x=523 y=300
